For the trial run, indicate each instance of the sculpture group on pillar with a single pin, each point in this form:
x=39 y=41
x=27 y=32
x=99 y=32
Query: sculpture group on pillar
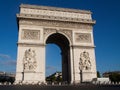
x=29 y=60
x=85 y=63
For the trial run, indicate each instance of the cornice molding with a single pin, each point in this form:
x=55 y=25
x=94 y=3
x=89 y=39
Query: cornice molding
x=29 y=44
x=54 y=8
x=53 y=18
x=83 y=46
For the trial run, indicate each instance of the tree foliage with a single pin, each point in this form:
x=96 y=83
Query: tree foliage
x=98 y=74
x=7 y=79
x=54 y=78
x=114 y=77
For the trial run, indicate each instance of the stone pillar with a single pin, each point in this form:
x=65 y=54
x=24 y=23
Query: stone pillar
x=65 y=66
x=29 y=64
x=71 y=65
x=31 y=55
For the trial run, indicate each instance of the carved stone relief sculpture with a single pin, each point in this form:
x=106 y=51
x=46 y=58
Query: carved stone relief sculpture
x=47 y=31
x=31 y=34
x=67 y=32
x=83 y=37
x=29 y=60
x=85 y=63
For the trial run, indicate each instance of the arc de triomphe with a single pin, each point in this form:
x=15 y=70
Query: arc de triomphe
x=70 y=29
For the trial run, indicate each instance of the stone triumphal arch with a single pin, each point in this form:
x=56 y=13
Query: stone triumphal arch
x=70 y=29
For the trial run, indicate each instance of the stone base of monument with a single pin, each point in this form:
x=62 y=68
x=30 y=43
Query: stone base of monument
x=29 y=83
x=30 y=78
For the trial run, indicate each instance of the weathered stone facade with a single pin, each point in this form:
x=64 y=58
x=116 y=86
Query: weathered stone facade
x=70 y=29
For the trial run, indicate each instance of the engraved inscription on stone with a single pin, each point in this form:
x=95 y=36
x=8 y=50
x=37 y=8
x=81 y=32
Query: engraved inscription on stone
x=83 y=37
x=31 y=34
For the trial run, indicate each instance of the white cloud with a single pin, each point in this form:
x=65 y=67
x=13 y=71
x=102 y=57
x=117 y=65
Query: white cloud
x=4 y=56
x=50 y=70
x=7 y=63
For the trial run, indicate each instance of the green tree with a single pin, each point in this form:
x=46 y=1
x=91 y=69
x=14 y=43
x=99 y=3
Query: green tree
x=114 y=77
x=52 y=78
x=98 y=74
x=59 y=79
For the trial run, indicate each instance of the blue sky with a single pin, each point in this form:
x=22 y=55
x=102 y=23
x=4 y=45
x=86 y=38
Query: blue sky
x=106 y=32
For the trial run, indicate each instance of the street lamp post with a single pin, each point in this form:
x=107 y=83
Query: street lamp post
x=81 y=71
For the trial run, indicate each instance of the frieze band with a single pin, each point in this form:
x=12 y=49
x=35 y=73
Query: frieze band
x=55 y=24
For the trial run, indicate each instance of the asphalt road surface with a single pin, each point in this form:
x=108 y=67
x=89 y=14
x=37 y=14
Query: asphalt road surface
x=64 y=87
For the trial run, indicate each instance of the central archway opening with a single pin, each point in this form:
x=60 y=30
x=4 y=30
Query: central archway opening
x=63 y=43
x=53 y=59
